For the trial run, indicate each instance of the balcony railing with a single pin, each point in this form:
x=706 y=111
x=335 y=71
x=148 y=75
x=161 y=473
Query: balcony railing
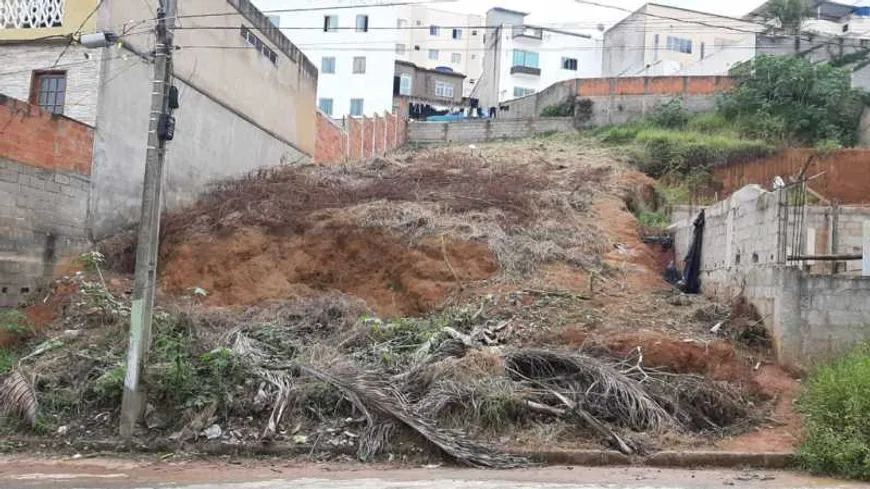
x=528 y=32
x=525 y=70
x=31 y=14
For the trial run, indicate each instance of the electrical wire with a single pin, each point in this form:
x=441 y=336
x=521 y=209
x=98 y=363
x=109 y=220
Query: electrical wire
x=78 y=31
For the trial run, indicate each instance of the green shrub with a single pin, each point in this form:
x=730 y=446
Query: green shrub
x=654 y=220
x=565 y=109
x=671 y=115
x=711 y=123
x=7 y=360
x=684 y=152
x=836 y=408
x=620 y=134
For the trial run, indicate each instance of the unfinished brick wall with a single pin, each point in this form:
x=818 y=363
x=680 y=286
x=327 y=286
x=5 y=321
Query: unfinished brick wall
x=358 y=138
x=45 y=164
x=842 y=177
x=38 y=138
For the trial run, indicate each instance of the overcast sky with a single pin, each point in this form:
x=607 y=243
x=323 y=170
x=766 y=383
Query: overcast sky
x=568 y=12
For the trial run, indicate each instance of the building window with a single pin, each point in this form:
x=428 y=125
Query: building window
x=434 y=30
x=33 y=14
x=330 y=23
x=359 y=65
x=471 y=81
x=569 y=64
x=434 y=54
x=473 y=56
x=400 y=49
x=457 y=34
x=703 y=46
x=357 y=107
x=259 y=45
x=325 y=105
x=522 y=92
x=327 y=65
x=680 y=45
x=456 y=58
x=49 y=91
x=845 y=27
x=405 y=84
x=362 y=23
x=275 y=20
x=401 y=23
x=474 y=32
x=444 y=89
x=529 y=59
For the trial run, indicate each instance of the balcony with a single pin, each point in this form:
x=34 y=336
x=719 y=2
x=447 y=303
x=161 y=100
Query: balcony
x=525 y=70
x=528 y=32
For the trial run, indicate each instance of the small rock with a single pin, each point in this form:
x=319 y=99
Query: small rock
x=62 y=430
x=77 y=456
x=176 y=436
x=300 y=439
x=213 y=432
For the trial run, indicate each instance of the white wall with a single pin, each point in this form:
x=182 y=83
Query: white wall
x=551 y=49
x=378 y=46
x=82 y=75
x=470 y=47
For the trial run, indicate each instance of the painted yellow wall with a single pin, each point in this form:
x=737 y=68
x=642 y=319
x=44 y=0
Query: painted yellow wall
x=75 y=12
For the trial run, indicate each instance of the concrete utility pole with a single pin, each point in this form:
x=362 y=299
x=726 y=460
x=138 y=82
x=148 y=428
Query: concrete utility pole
x=145 y=284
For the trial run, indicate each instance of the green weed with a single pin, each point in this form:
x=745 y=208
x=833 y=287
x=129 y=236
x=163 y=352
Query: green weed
x=836 y=408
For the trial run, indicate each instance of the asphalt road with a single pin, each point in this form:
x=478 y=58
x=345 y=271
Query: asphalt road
x=28 y=473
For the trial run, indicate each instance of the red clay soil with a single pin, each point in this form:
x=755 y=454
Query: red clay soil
x=785 y=433
x=251 y=266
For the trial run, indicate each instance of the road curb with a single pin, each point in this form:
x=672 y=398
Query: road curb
x=584 y=458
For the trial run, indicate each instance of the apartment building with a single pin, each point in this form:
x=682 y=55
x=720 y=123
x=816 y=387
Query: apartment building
x=658 y=40
x=848 y=19
x=356 y=49
x=522 y=59
x=447 y=41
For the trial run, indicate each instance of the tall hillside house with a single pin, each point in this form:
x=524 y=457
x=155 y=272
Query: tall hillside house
x=521 y=59
x=356 y=49
x=247 y=94
x=658 y=40
x=849 y=19
x=421 y=88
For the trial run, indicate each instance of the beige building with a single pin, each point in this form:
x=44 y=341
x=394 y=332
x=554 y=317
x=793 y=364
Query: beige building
x=426 y=86
x=658 y=40
x=433 y=38
x=247 y=93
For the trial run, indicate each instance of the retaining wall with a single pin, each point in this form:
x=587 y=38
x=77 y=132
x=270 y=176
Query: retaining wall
x=619 y=100
x=843 y=176
x=44 y=188
x=474 y=130
x=812 y=315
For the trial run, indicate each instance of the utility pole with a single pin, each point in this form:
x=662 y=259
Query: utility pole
x=161 y=128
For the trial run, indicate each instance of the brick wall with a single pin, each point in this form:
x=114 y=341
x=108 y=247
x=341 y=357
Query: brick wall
x=45 y=163
x=619 y=100
x=35 y=137
x=842 y=177
x=357 y=138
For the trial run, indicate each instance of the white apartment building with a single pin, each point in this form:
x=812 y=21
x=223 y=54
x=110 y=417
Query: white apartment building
x=442 y=40
x=658 y=40
x=522 y=59
x=845 y=18
x=356 y=49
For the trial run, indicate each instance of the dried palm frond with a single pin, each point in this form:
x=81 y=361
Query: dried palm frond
x=699 y=403
x=597 y=387
x=374 y=397
x=17 y=396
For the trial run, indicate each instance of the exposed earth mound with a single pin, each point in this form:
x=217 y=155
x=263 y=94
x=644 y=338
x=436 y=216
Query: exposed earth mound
x=503 y=292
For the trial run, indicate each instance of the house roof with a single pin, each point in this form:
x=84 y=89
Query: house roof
x=509 y=11
x=705 y=14
x=825 y=9
x=430 y=70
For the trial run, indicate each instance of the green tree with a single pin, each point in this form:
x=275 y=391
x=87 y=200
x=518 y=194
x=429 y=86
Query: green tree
x=790 y=14
x=795 y=101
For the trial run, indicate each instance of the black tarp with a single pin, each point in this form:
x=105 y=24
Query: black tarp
x=692 y=269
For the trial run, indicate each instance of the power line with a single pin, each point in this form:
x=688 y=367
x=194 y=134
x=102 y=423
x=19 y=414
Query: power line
x=77 y=32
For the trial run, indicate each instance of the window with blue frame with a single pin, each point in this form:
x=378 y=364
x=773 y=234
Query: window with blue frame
x=325 y=105
x=529 y=59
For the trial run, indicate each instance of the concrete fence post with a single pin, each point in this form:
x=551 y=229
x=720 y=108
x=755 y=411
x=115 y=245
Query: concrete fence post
x=865 y=262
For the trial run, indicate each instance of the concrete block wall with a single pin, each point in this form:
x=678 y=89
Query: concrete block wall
x=482 y=130
x=43 y=217
x=811 y=317
x=45 y=163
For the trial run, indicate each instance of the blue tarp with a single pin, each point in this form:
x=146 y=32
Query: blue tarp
x=862 y=11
